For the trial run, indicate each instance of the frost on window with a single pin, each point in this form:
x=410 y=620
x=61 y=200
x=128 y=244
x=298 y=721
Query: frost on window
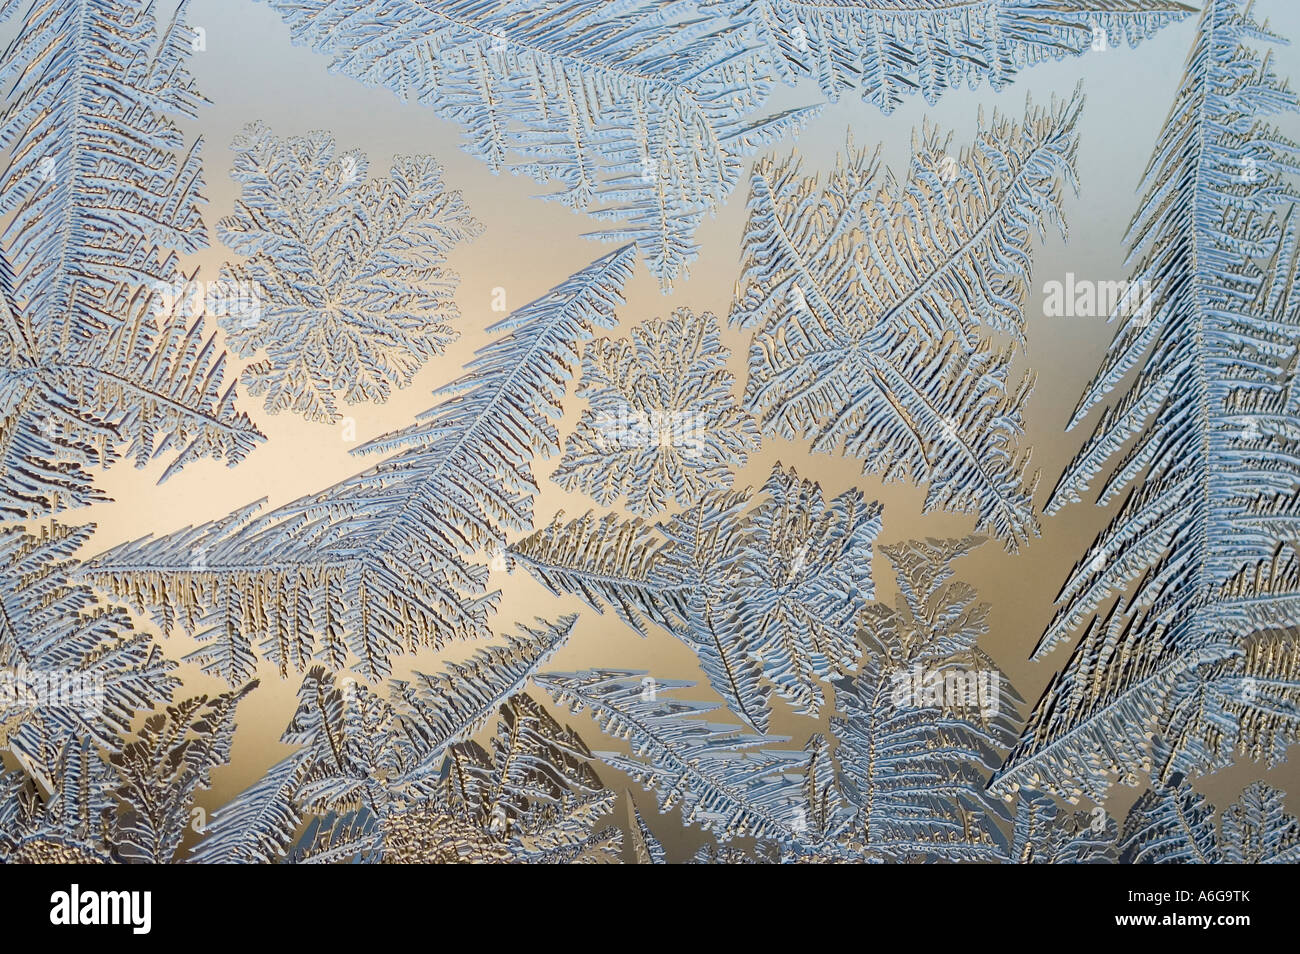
x=346 y=288
x=662 y=424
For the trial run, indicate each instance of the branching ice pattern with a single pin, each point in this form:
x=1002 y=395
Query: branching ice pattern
x=93 y=785
x=872 y=302
x=764 y=591
x=52 y=628
x=731 y=783
x=887 y=50
x=354 y=294
x=662 y=425
x=100 y=196
x=70 y=805
x=1201 y=657
x=1042 y=835
x=382 y=563
x=638 y=112
x=903 y=774
x=886 y=314
x=642 y=111
x=921 y=725
x=1176 y=826
x=802 y=575
x=404 y=781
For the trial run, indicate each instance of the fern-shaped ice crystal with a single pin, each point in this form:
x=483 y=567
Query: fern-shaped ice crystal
x=765 y=591
x=886 y=50
x=638 y=111
x=383 y=562
x=75 y=669
x=100 y=195
x=405 y=782
x=873 y=301
x=1176 y=825
x=1202 y=452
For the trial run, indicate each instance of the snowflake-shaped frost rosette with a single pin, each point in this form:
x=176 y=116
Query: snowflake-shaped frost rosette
x=353 y=270
x=662 y=423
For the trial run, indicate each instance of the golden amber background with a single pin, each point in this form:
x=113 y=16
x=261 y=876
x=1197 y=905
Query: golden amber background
x=250 y=71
